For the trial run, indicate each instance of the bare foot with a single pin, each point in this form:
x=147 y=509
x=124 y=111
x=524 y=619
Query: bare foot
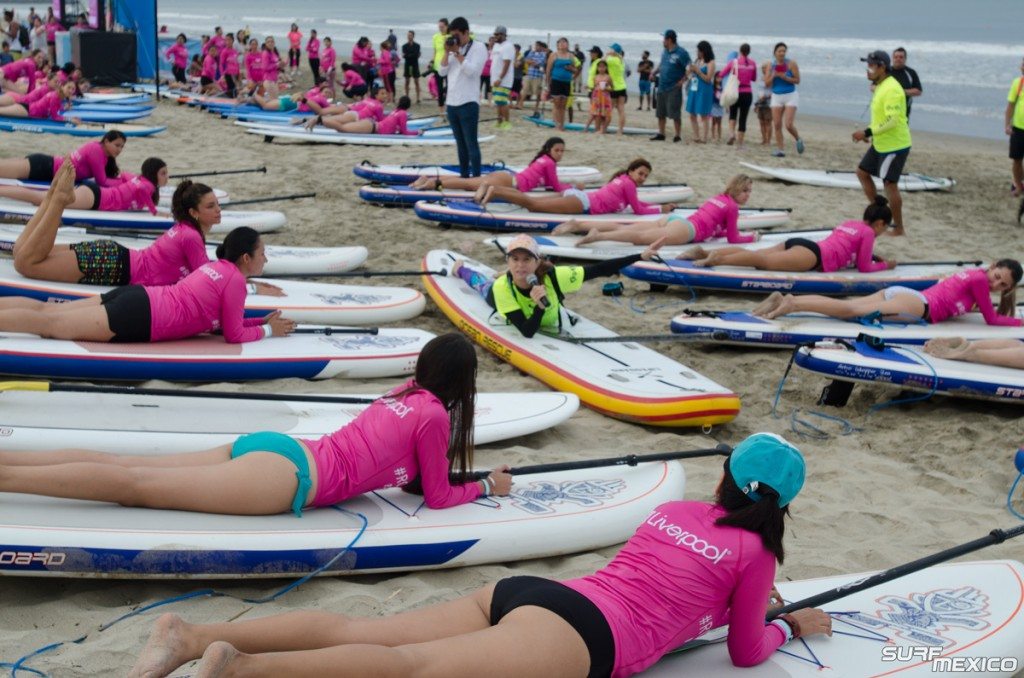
x=164 y=651
x=897 y=231
x=483 y=195
x=786 y=305
x=770 y=302
x=946 y=347
x=216 y=659
x=712 y=259
x=422 y=183
x=567 y=227
x=591 y=236
x=697 y=252
x=64 y=183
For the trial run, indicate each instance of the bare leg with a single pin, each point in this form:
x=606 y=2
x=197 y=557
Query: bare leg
x=775 y=258
x=467 y=184
x=216 y=455
x=562 y=204
x=777 y=125
x=586 y=226
x=892 y=192
x=352 y=127
x=1016 y=168
x=35 y=255
x=14 y=168
x=695 y=128
x=789 y=116
x=901 y=305
x=84 y=197
x=867 y=182
x=768 y=305
x=14 y=110
x=643 y=234
x=1001 y=352
x=80 y=320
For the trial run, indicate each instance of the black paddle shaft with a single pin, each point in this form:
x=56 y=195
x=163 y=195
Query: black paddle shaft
x=628 y=460
x=182 y=393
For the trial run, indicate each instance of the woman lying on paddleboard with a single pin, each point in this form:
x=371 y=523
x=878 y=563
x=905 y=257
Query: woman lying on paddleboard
x=689 y=567
x=50 y=82
x=210 y=298
x=395 y=122
x=49 y=106
x=851 y=243
x=615 y=196
x=529 y=294
x=948 y=298
x=95 y=160
x=413 y=437
x=337 y=115
x=133 y=193
x=1000 y=352
x=715 y=218
x=271 y=101
x=176 y=253
x=542 y=172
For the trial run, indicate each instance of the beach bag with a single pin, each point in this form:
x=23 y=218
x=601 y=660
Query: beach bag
x=731 y=92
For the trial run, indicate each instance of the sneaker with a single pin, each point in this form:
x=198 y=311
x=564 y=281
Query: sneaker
x=800 y=146
x=676 y=140
x=778 y=154
x=658 y=137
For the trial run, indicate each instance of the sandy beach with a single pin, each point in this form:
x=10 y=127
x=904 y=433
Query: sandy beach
x=911 y=480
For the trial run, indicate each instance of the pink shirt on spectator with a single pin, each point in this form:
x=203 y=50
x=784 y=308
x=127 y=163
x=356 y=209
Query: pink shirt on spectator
x=175 y=254
x=313 y=48
x=661 y=591
x=328 y=60
x=850 y=242
x=132 y=195
x=363 y=56
x=540 y=172
x=391 y=443
x=210 y=298
x=961 y=292
x=177 y=54
x=351 y=79
x=294 y=39
x=384 y=65
x=270 y=65
x=254 y=66
x=746 y=71
x=618 y=194
x=716 y=217
x=229 y=61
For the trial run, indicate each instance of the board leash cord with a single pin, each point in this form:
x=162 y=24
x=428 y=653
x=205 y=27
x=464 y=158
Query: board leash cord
x=20 y=666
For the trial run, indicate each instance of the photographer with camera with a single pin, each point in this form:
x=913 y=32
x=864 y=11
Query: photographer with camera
x=462 y=63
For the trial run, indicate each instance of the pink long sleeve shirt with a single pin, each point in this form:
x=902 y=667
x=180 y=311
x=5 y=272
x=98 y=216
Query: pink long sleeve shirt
x=746 y=71
x=49 y=106
x=851 y=242
x=717 y=217
x=541 y=172
x=677 y=577
x=328 y=59
x=960 y=293
x=390 y=443
x=351 y=79
x=363 y=56
x=313 y=48
x=271 y=63
x=210 y=66
x=317 y=95
x=396 y=122
x=90 y=161
x=368 y=108
x=210 y=298
x=178 y=54
x=22 y=68
x=170 y=259
x=134 y=194
x=618 y=194
x=254 y=66
x=229 y=61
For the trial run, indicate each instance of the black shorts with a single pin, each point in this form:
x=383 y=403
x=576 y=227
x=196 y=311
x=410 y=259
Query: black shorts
x=807 y=244
x=128 y=313
x=353 y=92
x=1017 y=144
x=40 y=167
x=517 y=85
x=102 y=262
x=204 y=81
x=91 y=185
x=412 y=69
x=25 y=106
x=887 y=166
x=620 y=94
x=575 y=608
x=560 y=88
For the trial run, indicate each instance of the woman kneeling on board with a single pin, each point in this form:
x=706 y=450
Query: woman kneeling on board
x=850 y=243
x=413 y=437
x=715 y=218
x=210 y=298
x=656 y=594
x=999 y=352
x=134 y=193
x=615 y=196
x=529 y=295
x=948 y=298
x=541 y=172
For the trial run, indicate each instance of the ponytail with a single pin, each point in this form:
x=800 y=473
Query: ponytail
x=1008 y=299
x=187 y=196
x=878 y=211
x=239 y=242
x=763 y=517
x=150 y=172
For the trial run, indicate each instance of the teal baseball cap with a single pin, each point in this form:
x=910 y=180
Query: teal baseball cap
x=767 y=459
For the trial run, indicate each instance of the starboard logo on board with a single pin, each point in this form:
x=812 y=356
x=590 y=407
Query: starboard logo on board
x=542 y=496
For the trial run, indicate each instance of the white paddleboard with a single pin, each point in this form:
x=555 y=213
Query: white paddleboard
x=546 y=515
x=933 y=622
x=307 y=302
x=406 y=174
x=620 y=379
x=16 y=211
x=298 y=134
x=565 y=246
x=403 y=195
x=151 y=424
x=844 y=179
x=281 y=259
x=208 y=358
x=741 y=327
x=914 y=370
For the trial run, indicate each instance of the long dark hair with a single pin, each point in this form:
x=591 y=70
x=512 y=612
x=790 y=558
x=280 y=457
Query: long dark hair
x=879 y=209
x=240 y=241
x=446 y=367
x=111 y=169
x=704 y=48
x=150 y=169
x=1008 y=299
x=548 y=145
x=187 y=196
x=763 y=517
x=639 y=162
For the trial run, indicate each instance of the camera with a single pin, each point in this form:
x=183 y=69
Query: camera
x=451 y=41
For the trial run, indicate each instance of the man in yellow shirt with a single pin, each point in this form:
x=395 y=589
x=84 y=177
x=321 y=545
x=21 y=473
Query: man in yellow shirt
x=889 y=136
x=1015 y=130
x=438 y=42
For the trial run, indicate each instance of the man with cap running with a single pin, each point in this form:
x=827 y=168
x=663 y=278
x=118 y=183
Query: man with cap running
x=671 y=76
x=888 y=134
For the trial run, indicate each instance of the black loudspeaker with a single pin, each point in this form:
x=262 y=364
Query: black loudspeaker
x=105 y=58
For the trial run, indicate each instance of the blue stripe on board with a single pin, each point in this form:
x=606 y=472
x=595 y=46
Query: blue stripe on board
x=142 y=368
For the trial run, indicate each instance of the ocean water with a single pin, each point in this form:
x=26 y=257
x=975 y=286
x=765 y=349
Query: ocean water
x=966 y=53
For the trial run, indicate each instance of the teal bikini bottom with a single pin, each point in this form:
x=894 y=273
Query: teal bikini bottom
x=287 y=447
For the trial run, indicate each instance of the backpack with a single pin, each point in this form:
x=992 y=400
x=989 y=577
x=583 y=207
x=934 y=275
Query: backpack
x=23 y=36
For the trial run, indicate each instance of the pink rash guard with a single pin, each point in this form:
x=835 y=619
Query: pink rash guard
x=229 y=61
x=210 y=298
x=254 y=66
x=313 y=48
x=48 y=106
x=961 y=292
x=392 y=442
x=716 y=217
x=270 y=65
x=746 y=71
x=132 y=195
x=368 y=108
x=31 y=97
x=22 y=68
x=850 y=241
x=317 y=95
x=178 y=54
x=328 y=59
x=540 y=172
x=210 y=65
x=351 y=79
x=677 y=577
x=90 y=161
x=616 y=195
x=396 y=123
x=175 y=254
x=363 y=56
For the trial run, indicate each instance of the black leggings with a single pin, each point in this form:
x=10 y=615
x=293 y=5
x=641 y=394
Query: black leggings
x=741 y=108
x=294 y=55
x=232 y=90
x=314 y=65
x=179 y=74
